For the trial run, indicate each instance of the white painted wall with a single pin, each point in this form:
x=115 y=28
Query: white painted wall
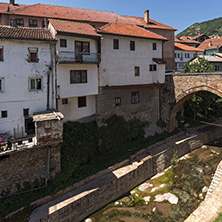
x=117 y=65
x=66 y=89
x=16 y=71
x=71 y=110
x=181 y=57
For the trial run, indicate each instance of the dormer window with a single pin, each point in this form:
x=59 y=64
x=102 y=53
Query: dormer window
x=33 y=55
x=1 y=54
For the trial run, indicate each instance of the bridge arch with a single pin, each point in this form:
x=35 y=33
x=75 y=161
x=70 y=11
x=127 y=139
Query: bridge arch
x=181 y=98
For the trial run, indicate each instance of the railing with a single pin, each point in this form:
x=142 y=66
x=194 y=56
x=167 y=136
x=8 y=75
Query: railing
x=72 y=57
x=15 y=144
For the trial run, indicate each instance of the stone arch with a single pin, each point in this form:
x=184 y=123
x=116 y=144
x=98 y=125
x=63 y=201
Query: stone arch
x=180 y=99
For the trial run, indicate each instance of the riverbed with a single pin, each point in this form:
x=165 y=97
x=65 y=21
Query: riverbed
x=169 y=196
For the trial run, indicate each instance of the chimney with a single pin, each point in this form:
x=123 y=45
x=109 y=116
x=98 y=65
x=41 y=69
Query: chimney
x=146 y=16
x=12 y=2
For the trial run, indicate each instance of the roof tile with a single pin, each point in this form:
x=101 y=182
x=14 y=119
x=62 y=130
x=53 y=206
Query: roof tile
x=183 y=47
x=211 y=43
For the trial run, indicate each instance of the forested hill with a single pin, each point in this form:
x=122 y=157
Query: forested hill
x=211 y=27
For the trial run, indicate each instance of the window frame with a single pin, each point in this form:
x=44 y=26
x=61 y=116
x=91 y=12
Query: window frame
x=132 y=46
x=153 y=67
x=1 y=53
x=3 y=112
x=33 y=23
x=32 y=50
x=82 y=104
x=154 y=46
x=63 y=41
x=35 y=78
x=137 y=70
x=18 y=22
x=82 y=48
x=116 y=44
x=65 y=101
x=135 y=97
x=118 y=101
x=82 y=79
x=1 y=84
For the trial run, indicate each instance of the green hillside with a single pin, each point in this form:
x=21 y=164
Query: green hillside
x=211 y=27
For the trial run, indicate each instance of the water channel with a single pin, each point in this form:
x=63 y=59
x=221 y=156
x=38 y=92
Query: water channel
x=170 y=196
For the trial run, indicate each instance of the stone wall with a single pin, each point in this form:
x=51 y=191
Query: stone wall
x=146 y=110
x=80 y=203
x=27 y=169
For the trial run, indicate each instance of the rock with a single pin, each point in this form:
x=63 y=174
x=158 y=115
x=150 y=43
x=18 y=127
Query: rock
x=204 y=147
x=157 y=188
x=132 y=192
x=167 y=196
x=147 y=199
x=201 y=196
x=200 y=170
x=145 y=186
x=184 y=196
x=186 y=125
x=154 y=209
x=205 y=189
x=88 y=220
x=116 y=203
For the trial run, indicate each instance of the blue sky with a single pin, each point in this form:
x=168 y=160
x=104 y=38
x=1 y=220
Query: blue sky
x=175 y=13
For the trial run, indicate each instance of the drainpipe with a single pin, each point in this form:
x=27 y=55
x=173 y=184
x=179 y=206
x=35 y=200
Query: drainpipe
x=158 y=104
x=56 y=87
x=51 y=69
x=48 y=89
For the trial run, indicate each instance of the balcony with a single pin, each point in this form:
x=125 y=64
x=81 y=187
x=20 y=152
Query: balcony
x=72 y=57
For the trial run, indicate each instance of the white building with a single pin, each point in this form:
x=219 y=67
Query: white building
x=26 y=77
x=131 y=70
x=78 y=58
x=184 y=53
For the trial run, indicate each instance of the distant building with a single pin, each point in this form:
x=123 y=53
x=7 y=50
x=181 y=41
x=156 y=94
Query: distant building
x=199 y=38
x=187 y=41
x=184 y=53
x=211 y=46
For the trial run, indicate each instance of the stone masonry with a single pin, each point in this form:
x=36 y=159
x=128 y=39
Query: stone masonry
x=181 y=87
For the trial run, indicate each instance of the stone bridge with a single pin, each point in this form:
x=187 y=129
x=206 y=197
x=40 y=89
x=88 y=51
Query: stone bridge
x=181 y=87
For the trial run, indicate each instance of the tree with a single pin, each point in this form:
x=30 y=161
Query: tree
x=199 y=65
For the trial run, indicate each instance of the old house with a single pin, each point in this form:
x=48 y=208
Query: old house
x=78 y=57
x=26 y=77
x=184 y=53
x=211 y=46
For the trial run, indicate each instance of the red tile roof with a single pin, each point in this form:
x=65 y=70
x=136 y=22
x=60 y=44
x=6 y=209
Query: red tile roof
x=183 y=47
x=211 y=43
x=25 y=33
x=5 y=6
x=129 y=30
x=73 y=27
x=152 y=23
x=185 y=39
x=197 y=36
x=77 y=14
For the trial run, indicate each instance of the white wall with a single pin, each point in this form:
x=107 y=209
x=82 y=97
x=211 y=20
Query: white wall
x=181 y=57
x=72 y=112
x=16 y=71
x=117 y=65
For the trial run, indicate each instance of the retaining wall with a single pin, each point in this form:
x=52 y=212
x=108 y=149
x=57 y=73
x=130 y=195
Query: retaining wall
x=88 y=198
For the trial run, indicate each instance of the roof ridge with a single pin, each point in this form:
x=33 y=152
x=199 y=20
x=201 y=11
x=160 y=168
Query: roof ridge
x=22 y=7
x=104 y=26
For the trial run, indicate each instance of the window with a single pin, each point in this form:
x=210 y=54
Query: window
x=1 y=53
x=43 y=24
x=217 y=68
x=82 y=101
x=82 y=47
x=25 y=112
x=154 y=46
x=118 y=101
x=35 y=83
x=135 y=97
x=33 y=23
x=65 y=101
x=137 y=71
x=132 y=45
x=175 y=55
x=63 y=43
x=188 y=55
x=115 y=43
x=153 y=67
x=19 y=22
x=4 y=114
x=33 y=55
x=1 y=84
x=78 y=76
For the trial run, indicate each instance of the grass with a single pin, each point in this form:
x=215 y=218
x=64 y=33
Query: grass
x=219 y=218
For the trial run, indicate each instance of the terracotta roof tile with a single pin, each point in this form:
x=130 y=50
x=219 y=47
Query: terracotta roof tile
x=185 y=39
x=77 y=14
x=129 y=30
x=183 y=47
x=25 y=33
x=5 y=6
x=211 y=43
x=73 y=27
